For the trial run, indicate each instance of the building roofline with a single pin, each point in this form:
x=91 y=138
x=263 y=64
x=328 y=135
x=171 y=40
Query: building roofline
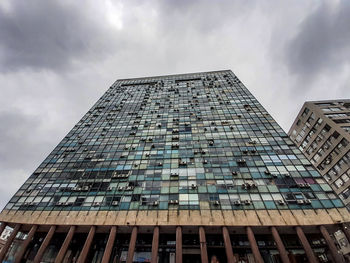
x=180 y=74
x=325 y=101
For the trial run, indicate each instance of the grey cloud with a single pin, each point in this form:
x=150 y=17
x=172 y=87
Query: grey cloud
x=322 y=43
x=21 y=139
x=202 y=17
x=23 y=146
x=49 y=35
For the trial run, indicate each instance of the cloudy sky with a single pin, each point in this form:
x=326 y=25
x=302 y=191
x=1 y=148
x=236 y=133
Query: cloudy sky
x=58 y=57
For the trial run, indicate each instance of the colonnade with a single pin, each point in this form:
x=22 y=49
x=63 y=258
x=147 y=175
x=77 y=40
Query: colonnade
x=113 y=232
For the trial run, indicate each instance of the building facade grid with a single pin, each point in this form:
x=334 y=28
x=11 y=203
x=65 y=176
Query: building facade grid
x=172 y=169
x=194 y=141
x=322 y=132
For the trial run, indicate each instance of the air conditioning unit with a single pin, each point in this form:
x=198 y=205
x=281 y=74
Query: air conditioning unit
x=182 y=163
x=307 y=201
x=193 y=186
x=237 y=202
x=115 y=203
x=109 y=188
x=76 y=189
x=174 y=174
x=307 y=185
x=205 y=161
x=267 y=172
x=216 y=203
x=155 y=203
x=94 y=204
x=281 y=202
x=129 y=188
x=173 y=202
x=85 y=188
x=120 y=188
x=301 y=185
x=300 y=202
x=247 y=202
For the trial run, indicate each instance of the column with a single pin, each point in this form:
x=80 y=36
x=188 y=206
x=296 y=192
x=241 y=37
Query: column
x=155 y=245
x=109 y=245
x=280 y=245
x=65 y=245
x=84 y=252
x=178 y=244
x=346 y=230
x=2 y=227
x=203 y=245
x=228 y=246
x=132 y=245
x=25 y=244
x=9 y=241
x=308 y=250
x=44 y=245
x=253 y=245
x=330 y=243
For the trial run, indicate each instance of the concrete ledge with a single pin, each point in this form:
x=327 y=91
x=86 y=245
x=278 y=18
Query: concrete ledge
x=181 y=217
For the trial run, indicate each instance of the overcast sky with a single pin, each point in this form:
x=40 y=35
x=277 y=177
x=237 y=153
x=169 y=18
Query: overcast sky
x=58 y=57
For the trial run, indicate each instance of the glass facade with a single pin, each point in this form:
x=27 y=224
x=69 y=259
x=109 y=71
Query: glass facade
x=192 y=142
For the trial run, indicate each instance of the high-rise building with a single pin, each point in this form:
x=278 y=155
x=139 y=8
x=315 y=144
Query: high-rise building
x=322 y=132
x=178 y=168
